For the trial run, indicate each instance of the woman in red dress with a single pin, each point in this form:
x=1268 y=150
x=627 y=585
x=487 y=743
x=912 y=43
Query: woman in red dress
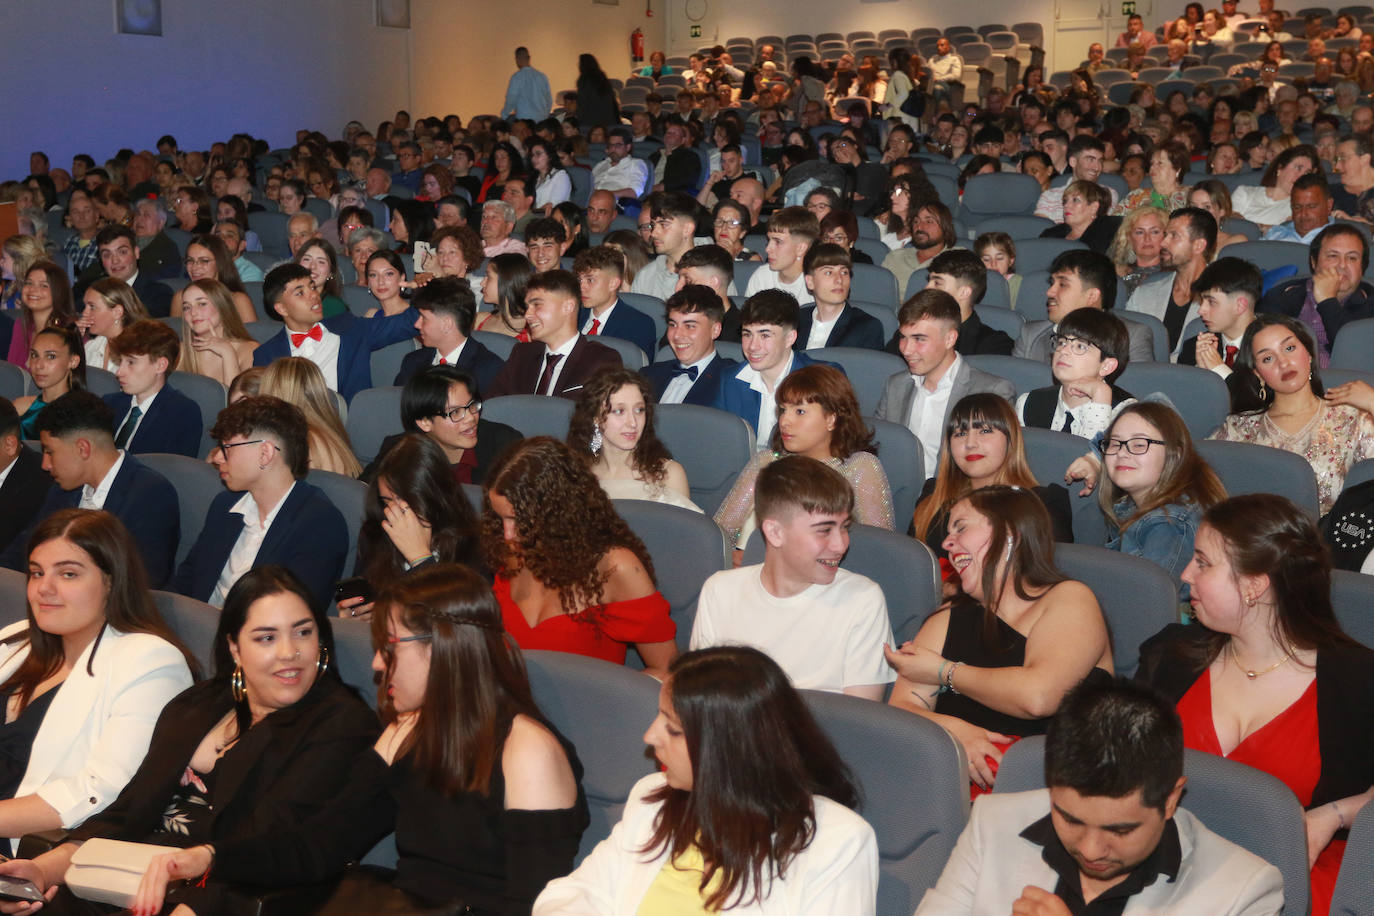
x=570 y=574
x=1265 y=676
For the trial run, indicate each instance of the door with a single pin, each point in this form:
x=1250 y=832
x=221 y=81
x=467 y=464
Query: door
x=1077 y=24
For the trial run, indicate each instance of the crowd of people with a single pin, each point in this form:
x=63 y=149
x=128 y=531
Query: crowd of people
x=469 y=245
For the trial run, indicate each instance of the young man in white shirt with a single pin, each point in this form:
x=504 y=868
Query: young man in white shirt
x=791 y=233
x=1091 y=350
x=600 y=274
x=825 y=626
x=711 y=266
x=694 y=325
x=1227 y=292
x=673 y=222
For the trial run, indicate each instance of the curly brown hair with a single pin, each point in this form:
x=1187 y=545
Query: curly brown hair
x=827 y=387
x=562 y=547
x=469 y=244
x=650 y=457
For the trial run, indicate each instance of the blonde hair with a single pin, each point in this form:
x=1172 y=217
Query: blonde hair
x=298 y=381
x=230 y=322
x=1120 y=251
x=25 y=251
x=118 y=294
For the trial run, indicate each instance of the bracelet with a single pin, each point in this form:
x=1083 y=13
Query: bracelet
x=940 y=678
x=1340 y=817
x=411 y=564
x=949 y=679
x=211 y=867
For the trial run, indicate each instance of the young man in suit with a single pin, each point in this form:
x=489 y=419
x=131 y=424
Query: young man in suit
x=961 y=274
x=557 y=360
x=1227 y=292
x=447 y=309
x=545 y=243
x=712 y=267
x=693 y=375
x=831 y=321
x=118 y=253
x=342 y=346
x=23 y=483
x=937 y=376
x=151 y=415
x=600 y=273
x=1190 y=242
x=1108 y=831
x=1090 y=353
x=269 y=514
x=1080 y=279
x=77 y=433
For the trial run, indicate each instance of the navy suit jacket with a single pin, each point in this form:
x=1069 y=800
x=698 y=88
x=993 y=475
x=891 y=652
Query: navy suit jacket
x=309 y=537
x=172 y=425
x=854 y=328
x=627 y=323
x=358 y=337
x=141 y=498
x=739 y=399
x=475 y=358
x=703 y=391
x=22 y=494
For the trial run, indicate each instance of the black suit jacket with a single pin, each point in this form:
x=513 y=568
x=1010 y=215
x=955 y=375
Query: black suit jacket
x=683 y=171
x=475 y=358
x=492 y=440
x=171 y=426
x=524 y=368
x=703 y=391
x=160 y=258
x=1187 y=356
x=156 y=295
x=1288 y=297
x=854 y=328
x=22 y=494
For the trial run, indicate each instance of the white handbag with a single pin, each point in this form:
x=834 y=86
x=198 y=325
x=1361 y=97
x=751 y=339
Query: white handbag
x=109 y=871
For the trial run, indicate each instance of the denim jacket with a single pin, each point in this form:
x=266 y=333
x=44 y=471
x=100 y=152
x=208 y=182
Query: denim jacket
x=1163 y=536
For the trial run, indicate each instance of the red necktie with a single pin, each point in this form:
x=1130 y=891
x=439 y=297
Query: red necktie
x=1231 y=357
x=596 y=327
x=547 y=378
x=315 y=333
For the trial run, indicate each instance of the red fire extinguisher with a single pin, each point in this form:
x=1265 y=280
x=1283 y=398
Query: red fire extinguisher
x=637 y=45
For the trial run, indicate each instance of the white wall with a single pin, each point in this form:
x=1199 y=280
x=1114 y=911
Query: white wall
x=72 y=85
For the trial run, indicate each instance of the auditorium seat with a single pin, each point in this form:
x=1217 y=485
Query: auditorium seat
x=711 y=445
x=1354 y=894
x=195 y=624
x=532 y=414
x=686 y=548
x=868 y=371
x=1248 y=468
x=197 y=484
x=375 y=414
x=1049 y=454
x=14 y=596
x=14 y=381
x=348 y=496
x=1138 y=598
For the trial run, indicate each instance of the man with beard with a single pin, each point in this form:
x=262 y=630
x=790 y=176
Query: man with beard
x=1190 y=241
x=932 y=231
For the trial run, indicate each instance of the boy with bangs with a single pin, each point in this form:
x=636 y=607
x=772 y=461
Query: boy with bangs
x=832 y=321
x=1091 y=350
x=791 y=233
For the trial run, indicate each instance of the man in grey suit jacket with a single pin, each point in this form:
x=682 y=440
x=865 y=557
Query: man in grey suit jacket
x=936 y=377
x=1189 y=243
x=1080 y=279
x=1088 y=837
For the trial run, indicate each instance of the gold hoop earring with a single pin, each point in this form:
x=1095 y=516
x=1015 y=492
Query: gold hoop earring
x=322 y=665
x=236 y=686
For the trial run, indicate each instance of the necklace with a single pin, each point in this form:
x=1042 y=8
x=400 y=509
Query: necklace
x=1252 y=674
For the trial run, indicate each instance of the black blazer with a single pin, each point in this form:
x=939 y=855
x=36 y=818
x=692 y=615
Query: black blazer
x=492 y=440
x=854 y=328
x=683 y=171
x=703 y=390
x=160 y=258
x=975 y=339
x=172 y=426
x=1288 y=297
x=524 y=368
x=475 y=358
x=22 y=493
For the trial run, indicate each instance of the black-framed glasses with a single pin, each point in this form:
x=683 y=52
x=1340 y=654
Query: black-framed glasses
x=1072 y=344
x=454 y=414
x=727 y=224
x=1136 y=445
x=225 y=446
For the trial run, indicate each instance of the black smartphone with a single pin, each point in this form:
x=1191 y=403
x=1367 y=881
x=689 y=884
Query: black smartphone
x=356 y=587
x=20 y=889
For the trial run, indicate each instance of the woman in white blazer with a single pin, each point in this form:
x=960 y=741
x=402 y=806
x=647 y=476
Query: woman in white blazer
x=730 y=727
x=84 y=677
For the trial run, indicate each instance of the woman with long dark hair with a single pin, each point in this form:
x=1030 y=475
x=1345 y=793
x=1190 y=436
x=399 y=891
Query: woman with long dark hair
x=57 y=364
x=503 y=288
x=596 y=102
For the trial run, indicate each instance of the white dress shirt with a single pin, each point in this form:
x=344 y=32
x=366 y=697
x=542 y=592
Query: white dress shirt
x=94 y=498
x=248 y=544
x=602 y=318
x=449 y=359
x=143 y=409
x=927 y=419
x=323 y=353
x=768 y=278
x=562 y=351
x=1089 y=418
x=679 y=386
x=768 y=408
x=820 y=331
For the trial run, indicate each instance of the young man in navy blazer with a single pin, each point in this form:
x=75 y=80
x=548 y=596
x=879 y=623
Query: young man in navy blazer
x=270 y=514
x=77 y=434
x=693 y=375
x=600 y=273
x=558 y=360
x=831 y=321
x=151 y=415
x=447 y=310
x=342 y=346
x=23 y=483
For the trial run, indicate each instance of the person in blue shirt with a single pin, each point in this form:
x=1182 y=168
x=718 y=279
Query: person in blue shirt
x=528 y=94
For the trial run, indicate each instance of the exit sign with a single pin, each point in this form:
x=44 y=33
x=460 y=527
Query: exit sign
x=1128 y=7
x=696 y=32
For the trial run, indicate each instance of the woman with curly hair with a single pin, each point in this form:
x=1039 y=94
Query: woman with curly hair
x=298 y=381
x=435 y=182
x=612 y=428
x=457 y=250
x=818 y=417
x=572 y=581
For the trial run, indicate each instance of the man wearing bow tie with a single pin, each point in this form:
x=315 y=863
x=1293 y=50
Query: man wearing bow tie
x=342 y=346
x=694 y=322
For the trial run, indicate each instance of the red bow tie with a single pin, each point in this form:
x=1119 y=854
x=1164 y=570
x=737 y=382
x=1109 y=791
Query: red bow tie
x=315 y=333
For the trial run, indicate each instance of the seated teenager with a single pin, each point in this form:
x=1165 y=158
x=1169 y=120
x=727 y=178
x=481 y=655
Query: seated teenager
x=712 y=267
x=447 y=308
x=234 y=761
x=692 y=840
x=84 y=674
x=558 y=360
x=791 y=233
x=443 y=403
x=1265 y=675
x=831 y=321
x=1079 y=280
x=342 y=347
x=108 y=307
x=77 y=436
x=695 y=322
x=579 y=582
x=214 y=340
x=600 y=274
x=24 y=484
x=503 y=288
x=824 y=625
x=207 y=258
x=1090 y=353
x=818 y=417
x=1156 y=486
x=1227 y=292
x=386 y=280
x=270 y=515
x=612 y=429
x=963 y=275
x=546 y=241
x=299 y=382
x=151 y=415
x=993 y=664
x=1107 y=835
x=57 y=365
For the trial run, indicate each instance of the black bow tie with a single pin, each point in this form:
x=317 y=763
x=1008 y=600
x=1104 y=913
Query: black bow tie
x=689 y=371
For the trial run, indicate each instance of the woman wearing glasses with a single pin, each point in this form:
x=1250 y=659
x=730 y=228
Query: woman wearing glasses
x=207 y=258
x=1156 y=487
x=729 y=227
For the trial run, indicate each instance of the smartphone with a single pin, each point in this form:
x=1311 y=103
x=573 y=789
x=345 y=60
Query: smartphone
x=423 y=250
x=356 y=587
x=20 y=889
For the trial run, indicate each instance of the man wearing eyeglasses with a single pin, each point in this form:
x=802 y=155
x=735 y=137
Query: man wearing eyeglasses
x=409 y=171
x=270 y=515
x=619 y=172
x=1079 y=279
x=447 y=308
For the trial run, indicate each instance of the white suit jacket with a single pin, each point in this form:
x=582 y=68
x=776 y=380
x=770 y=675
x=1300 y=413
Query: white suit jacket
x=96 y=731
x=992 y=863
x=836 y=874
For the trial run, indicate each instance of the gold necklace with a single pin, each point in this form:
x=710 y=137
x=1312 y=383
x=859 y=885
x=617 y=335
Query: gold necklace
x=1252 y=674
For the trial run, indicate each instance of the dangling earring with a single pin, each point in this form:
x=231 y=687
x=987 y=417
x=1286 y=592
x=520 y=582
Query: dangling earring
x=596 y=438
x=322 y=665
x=236 y=687
x=1264 y=392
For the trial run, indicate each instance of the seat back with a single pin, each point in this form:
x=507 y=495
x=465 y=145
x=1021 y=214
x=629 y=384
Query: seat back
x=711 y=445
x=1050 y=453
x=101 y=381
x=271 y=230
x=195 y=624
x=999 y=194
x=868 y=371
x=1138 y=598
x=197 y=484
x=209 y=395
x=14 y=381
x=1248 y=468
x=1244 y=805
x=1199 y=396
x=500 y=344
x=1024 y=374
x=651 y=306
x=14 y=596
x=1037 y=254
x=1353 y=347
x=903 y=462
x=531 y=414
x=386 y=362
x=1354 y=895
x=375 y=414
x=603 y=709
x=1352 y=598
x=349 y=497
x=1018 y=226
x=1272 y=254
x=874 y=284
x=1000 y=319
x=631 y=357
x=687 y=548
